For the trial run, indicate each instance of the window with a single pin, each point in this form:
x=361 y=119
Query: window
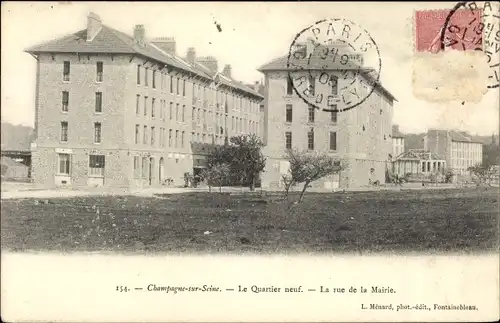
x=288 y=140
x=311 y=114
x=289 y=86
x=137 y=105
x=97 y=132
x=154 y=79
x=182 y=139
x=170 y=137
x=145 y=105
x=312 y=84
x=153 y=136
x=183 y=112
x=161 y=110
x=177 y=81
x=99 y=72
x=183 y=87
x=153 y=101
x=64 y=131
x=66 y=71
x=193 y=114
x=145 y=135
x=146 y=70
x=177 y=112
x=288 y=113
x=333 y=114
x=333 y=141
x=138 y=74
x=64 y=164
x=334 y=85
x=176 y=138
x=65 y=101
x=137 y=167
x=96 y=165
x=98 y=102
x=310 y=139
x=144 y=167
x=170 y=109
x=137 y=133
x=232 y=123
x=171 y=84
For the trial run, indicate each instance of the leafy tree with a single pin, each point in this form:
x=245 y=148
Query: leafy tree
x=307 y=167
x=216 y=175
x=244 y=157
x=484 y=173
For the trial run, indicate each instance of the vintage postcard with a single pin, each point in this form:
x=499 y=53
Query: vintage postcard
x=250 y=162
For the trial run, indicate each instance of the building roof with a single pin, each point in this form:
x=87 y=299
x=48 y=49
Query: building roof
x=11 y=162
x=396 y=133
x=112 y=41
x=315 y=62
x=455 y=135
x=418 y=154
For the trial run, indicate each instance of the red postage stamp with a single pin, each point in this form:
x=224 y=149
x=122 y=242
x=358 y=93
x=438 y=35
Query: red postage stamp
x=460 y=29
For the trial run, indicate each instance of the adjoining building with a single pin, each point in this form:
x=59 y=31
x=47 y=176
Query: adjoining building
x=121 y=111
x=360 y=136
x=418 y=161
x=457 y=148
x=398 y=142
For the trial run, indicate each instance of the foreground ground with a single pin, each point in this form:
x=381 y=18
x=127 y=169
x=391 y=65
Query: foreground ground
x=454 y=220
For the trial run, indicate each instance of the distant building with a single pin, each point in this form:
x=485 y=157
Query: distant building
x=398 y=142
x=457 y=148
x=360 y=136
x=123 y=111
x=418 y=161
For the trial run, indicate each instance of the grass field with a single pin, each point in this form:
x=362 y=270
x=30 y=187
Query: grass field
x=418 y=221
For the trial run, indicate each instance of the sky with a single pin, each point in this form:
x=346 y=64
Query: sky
x=252 y=35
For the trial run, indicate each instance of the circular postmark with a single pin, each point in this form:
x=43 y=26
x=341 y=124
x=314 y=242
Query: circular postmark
x=474 y=25
x=334 y=65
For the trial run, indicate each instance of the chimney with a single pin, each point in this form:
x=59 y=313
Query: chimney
x=210 y=62
x=94 y=25
x=227 y=71
x=166 y=44
x=310 y=46
x=191 y=55
x=139 y=35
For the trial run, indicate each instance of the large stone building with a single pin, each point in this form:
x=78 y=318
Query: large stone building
x=360 y=136
x=119 y=110
x=457 y=148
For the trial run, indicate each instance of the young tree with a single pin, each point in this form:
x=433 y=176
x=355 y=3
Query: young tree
x=288 y=182
x=307 y=167
x=247 y=159
x=216 y=175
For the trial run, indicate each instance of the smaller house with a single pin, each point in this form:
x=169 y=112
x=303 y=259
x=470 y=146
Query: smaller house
x=12 y=169
x=398 y=142
x=418 y=161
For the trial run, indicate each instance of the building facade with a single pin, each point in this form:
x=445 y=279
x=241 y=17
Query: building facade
x=118 y=110
x=398 y=142
x=457 y=148
x=360 y=137
x=418 y=161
